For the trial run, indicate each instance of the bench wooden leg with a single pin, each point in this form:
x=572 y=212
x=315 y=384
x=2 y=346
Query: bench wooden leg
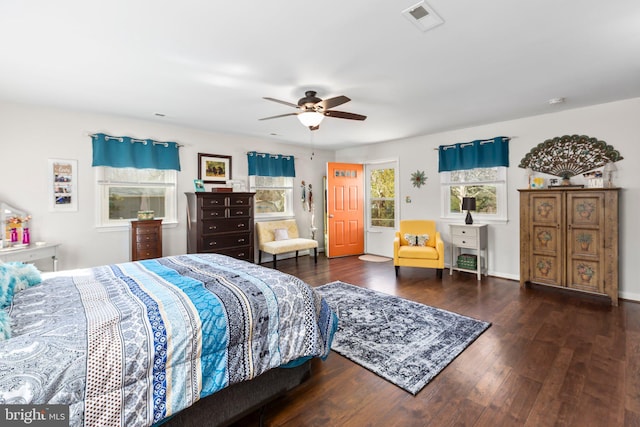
x=315 y=255
x=259 y=256
x=296 y=256
x=274 y=260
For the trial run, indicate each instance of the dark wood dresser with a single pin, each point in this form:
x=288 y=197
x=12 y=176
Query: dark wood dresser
x=146 y=239
x=220 y=223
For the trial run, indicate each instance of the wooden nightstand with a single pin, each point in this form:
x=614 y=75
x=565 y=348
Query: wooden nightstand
x=146 y=239
x=471 y=236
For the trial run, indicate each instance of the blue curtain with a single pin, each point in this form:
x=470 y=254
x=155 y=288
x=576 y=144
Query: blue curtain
x=265 y=164
x=127 y=152
x=482 y=153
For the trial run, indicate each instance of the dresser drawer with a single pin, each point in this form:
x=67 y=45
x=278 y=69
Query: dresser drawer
x=148 y=245
x=149 y=237
x=209 y=213
x=239 y=200
x=464 y=231
x=226 y=225
x=146 y=230
x=147 y=253
x=225 y=241
x=465 y=241
x=238 y=211
x=208 y=202
x=243 y=252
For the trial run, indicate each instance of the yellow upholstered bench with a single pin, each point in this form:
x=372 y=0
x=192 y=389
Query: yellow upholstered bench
x=279 y=237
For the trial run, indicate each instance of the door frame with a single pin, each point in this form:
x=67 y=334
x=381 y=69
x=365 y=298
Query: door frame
x=377 y=238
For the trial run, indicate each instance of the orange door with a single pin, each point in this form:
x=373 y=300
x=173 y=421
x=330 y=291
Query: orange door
x=345 y=209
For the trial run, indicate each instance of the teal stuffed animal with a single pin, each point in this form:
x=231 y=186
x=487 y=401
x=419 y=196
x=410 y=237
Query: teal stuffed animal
x=14 y=277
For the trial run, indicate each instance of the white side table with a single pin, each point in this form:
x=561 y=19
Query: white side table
x=469 y=236
x=31 y=253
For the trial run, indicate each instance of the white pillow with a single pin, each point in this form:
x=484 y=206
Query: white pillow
x=281 y=234
x=416 y=239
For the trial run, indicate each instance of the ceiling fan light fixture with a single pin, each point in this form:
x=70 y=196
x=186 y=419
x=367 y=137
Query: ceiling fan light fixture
x=310 y=118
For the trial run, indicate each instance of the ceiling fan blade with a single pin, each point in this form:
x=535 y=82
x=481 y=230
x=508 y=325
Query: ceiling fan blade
x=332 y=102
x=344 y=115
x=281 y=102
x=280 y=115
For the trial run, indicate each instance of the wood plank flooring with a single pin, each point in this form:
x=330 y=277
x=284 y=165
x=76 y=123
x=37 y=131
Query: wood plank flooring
x=550 y=358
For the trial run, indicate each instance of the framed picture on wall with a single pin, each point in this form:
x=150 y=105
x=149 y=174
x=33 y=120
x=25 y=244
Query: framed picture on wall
x=63 y=185
x=214 y=168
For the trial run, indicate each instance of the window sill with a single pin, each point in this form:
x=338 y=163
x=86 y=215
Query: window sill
x=127 y=226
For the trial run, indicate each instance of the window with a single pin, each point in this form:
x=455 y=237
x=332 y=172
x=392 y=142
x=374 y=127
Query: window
x=382 y=196
x=487 y=185
x=125 y=191
x=274 y=195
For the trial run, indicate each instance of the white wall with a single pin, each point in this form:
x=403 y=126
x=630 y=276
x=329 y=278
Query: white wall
x=29 y=136
x=616 y=123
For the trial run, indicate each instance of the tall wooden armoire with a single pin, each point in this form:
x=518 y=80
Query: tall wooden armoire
x=569 y=239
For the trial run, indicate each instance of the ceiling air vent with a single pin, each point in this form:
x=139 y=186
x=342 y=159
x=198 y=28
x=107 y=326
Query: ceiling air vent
x=422 y=16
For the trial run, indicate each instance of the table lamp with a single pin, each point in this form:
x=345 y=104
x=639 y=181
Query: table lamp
x=469 y=204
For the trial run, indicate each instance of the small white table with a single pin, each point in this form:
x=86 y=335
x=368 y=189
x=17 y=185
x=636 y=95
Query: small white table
x=31 y=253
x=469 y=236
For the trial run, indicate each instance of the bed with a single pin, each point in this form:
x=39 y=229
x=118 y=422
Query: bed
x=138 y=343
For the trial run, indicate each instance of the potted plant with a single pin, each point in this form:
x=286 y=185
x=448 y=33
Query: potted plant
x=584 y=239
x=585 y=209
x=544 y=267
x=585 y=272
x=544 y=237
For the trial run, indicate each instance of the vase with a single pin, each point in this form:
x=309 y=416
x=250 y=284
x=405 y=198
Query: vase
x=25 y=236
x=14 y=235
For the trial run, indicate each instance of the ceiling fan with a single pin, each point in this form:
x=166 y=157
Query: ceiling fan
x=311 y=109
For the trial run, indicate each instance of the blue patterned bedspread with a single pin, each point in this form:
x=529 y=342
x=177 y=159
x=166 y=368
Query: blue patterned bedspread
x=133 y=343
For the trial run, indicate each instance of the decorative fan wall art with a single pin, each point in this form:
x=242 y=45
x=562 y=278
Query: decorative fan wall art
x=418 y=178
x=569 y=155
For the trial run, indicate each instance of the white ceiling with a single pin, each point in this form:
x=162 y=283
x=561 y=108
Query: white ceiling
x=207 y=64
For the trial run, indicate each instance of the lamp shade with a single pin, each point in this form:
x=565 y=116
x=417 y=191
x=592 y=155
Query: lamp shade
x=310 y=118
x=469 y=203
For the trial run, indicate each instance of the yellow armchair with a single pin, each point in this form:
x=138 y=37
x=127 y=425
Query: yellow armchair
x=412 y=247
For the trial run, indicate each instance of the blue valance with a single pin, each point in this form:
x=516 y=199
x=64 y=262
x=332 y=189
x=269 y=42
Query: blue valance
x=127 y=152
x=482 y=153
x=265 y=164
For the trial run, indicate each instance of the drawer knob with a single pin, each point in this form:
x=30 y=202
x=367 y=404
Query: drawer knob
x=240 y=225
x=212 y=227
x=212 y=243
x=240 y=240
x=239 y=212
x=241 y=254
x=240 y=202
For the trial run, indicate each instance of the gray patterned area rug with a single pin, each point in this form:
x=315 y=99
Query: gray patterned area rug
x=404 y=342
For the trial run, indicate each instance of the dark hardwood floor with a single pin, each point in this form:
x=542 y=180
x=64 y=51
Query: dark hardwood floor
x=550 y=358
